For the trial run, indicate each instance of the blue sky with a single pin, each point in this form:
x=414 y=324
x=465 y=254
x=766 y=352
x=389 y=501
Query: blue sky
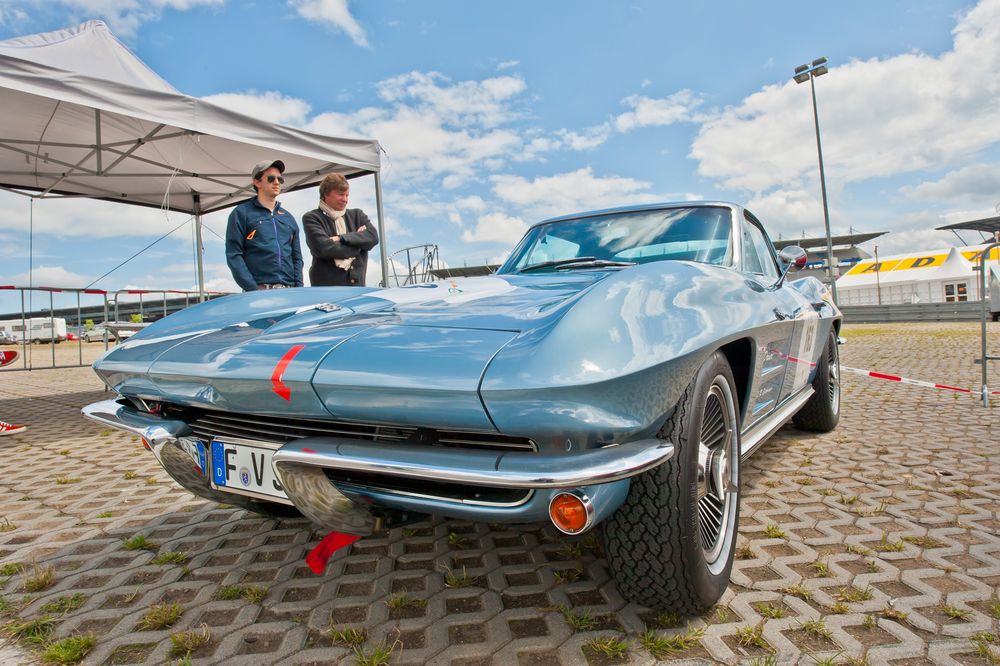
x=496 y=115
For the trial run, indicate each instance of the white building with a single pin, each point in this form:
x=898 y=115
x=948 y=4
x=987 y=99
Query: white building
x=939 y=276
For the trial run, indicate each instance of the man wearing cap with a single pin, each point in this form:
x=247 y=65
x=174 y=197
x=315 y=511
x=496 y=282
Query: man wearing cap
x=262 y=238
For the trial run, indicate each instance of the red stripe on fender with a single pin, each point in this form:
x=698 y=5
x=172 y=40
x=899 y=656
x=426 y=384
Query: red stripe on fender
x=879 y=375
x=279 y=371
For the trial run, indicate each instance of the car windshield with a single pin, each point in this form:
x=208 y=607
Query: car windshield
x=697 y=233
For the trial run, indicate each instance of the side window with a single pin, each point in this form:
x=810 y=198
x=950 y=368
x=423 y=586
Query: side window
x=758 y=256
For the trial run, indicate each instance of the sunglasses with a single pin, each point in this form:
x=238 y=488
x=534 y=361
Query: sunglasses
x=280 y=179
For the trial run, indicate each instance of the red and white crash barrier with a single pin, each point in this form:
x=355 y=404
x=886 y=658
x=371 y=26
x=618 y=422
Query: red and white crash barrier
x=914 y=382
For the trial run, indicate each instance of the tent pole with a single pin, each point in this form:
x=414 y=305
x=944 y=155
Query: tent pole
x=198 y=248
x=381 y=231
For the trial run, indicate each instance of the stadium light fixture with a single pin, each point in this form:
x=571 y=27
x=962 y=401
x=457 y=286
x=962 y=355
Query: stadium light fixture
x=809 y=73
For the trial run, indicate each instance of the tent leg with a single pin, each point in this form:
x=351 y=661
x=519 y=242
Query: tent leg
x=198 y=249
x=383 y=254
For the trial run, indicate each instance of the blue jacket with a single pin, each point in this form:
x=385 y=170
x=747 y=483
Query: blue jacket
x=263 y=247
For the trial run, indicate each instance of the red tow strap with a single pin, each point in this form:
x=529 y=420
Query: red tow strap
x=318 y=558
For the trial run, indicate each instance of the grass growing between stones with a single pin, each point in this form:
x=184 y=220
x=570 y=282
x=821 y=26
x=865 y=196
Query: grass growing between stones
x=662 y=646
x=161 y=616
x=41 y=578
x=171 y=557
x=64 y=604
x=69 y=650
x=252 y=593
x=140 y=542
x=350 y=637
x=609 y=647
x=378 y=655
x=183 y=643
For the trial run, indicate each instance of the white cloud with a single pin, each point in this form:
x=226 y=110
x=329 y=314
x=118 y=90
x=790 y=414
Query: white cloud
x=464 y=103
x=49 y=276
x=565 y=193
x=496 y=228
x=877 y=117
x=334 y=14
x=649 y=111
x=267 y=105
x=74 y=217
x=123 y=16
x=507 y=64
x=976 y=183
x=591 y=137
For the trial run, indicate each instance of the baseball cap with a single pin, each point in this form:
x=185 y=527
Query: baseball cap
x=261 y=167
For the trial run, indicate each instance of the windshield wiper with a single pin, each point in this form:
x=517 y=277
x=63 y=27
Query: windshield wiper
x=593 y=263
x=557 y=262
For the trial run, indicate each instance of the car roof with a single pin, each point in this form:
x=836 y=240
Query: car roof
x=642 y=207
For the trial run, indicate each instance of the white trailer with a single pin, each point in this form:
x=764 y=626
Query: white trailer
x=36 y=329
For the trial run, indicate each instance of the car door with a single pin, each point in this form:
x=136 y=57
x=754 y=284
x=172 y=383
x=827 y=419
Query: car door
x=800 y=355
x=776 y=339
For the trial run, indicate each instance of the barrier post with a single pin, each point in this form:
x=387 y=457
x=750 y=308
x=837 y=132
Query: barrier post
x=984 y=311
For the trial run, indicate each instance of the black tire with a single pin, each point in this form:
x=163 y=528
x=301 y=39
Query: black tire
x=821 y=413
x=670 y=545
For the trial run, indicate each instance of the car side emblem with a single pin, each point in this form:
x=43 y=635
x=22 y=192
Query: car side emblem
x=279 y=371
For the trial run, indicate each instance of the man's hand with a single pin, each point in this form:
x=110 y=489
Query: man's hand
x=362 y=227
x=335 y=239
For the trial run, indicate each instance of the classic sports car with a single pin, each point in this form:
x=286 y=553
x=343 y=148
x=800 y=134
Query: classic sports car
x=615 y=371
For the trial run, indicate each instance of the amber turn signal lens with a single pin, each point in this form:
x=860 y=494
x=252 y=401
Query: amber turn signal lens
x=146 y=444
x=568 y=513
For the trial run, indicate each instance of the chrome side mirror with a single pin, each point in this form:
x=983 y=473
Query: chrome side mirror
x=792 y=256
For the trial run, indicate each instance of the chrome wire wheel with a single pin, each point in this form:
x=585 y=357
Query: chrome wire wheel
x=833 y=359
x=718 y=475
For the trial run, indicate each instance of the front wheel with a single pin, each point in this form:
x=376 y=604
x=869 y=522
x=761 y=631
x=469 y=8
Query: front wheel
x=670 y=545
x=821 y=413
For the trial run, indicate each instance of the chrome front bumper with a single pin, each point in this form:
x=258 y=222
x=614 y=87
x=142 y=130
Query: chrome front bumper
x=300 y=465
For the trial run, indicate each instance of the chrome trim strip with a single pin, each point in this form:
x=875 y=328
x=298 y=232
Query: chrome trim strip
x=756 y=436
x=497 y=469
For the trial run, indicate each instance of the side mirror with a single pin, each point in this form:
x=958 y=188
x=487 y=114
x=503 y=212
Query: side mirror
x=792 y=256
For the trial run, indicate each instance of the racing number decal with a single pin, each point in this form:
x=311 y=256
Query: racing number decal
x=279 y=370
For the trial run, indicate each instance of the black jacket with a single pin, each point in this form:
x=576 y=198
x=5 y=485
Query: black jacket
x=319 y=229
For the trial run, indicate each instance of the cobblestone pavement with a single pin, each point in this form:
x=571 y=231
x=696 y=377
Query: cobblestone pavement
x=876 y=543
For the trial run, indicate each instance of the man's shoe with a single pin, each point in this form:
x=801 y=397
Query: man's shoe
x=7 y=357
x=10 y=428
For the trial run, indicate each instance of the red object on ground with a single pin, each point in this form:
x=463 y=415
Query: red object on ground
x=10 y=428
x=7 y=357
x=318 y=558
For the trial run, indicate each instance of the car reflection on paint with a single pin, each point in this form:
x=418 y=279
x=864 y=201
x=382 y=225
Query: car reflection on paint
x=612 y=375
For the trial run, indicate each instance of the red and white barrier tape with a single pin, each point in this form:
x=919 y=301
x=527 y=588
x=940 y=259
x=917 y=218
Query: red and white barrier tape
x=914 y=382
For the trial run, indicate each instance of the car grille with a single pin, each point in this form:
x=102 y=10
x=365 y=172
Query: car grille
x=282 y=429
x=208 y=425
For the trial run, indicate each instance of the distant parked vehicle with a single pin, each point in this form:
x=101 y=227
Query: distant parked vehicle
x=35 y=329
x=97 y=334
x=7 y=338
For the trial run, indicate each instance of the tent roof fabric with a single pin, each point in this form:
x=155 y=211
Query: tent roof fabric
x=846 y=240
x=84 y=116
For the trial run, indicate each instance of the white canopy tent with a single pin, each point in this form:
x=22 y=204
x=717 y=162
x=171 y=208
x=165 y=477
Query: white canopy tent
x=83 y=116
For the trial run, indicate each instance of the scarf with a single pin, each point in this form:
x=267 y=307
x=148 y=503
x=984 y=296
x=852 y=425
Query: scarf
x=340 y=226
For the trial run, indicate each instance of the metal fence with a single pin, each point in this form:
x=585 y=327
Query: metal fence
x=877 y=314
x=38 y=330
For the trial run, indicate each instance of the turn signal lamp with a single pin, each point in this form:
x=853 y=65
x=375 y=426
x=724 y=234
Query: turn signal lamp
x=570 y=512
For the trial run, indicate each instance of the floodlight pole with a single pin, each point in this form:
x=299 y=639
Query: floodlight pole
x=810 y=72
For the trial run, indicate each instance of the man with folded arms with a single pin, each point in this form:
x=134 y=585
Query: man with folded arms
x=338 y=237
x=262 y=238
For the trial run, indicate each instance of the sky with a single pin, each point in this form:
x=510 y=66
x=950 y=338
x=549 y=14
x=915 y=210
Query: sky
x=496 y=115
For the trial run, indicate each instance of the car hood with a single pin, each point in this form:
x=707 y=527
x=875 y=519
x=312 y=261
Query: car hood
x=361 y=354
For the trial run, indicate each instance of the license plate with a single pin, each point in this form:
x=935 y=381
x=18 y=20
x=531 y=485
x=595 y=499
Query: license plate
x=244 y=469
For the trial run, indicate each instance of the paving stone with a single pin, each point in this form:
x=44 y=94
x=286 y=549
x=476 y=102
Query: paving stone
x=886 y=530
